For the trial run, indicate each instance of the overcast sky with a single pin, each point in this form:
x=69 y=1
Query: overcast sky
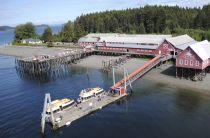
x=13 y=12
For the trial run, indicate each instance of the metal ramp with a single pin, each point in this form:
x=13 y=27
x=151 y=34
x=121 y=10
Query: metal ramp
x=141 y=71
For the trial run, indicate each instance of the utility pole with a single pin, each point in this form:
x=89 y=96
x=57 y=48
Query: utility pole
x=129 y=80
x=113 y=75
x=47 y=103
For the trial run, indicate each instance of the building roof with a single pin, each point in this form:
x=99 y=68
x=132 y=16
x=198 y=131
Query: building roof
x=202 y=49
x=181 y=42
x=141 y=39
x=31 y=39
x=102 y=34
x=130 y=45
x=88 y=39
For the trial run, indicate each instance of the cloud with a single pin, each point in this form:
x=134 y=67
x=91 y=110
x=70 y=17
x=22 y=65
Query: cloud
x=49 y=11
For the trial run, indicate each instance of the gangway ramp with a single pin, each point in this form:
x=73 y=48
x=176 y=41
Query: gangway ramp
x=139 y=72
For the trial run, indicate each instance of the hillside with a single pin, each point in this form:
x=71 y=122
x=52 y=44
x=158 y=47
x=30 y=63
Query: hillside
x=150 y=19
x=4 y=28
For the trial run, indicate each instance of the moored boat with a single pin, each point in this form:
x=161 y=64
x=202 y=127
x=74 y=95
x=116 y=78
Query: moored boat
x=89 y=93
x=59 y=105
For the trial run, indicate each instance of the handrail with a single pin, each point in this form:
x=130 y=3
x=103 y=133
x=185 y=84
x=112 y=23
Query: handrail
x=137 y=71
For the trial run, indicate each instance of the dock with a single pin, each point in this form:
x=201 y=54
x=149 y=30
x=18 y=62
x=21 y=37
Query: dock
x=83 y=109
x=116 y=92
x=39 y=64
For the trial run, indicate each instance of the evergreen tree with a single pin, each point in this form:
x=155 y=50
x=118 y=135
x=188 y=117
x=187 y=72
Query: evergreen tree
x=79 y=31
x=167 y=31
x=24 y=31
x=66 y=33
x=206 y=20
x=47 y=36
x=142 y=29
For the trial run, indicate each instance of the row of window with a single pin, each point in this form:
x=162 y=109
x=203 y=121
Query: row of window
x=112 y=48
x=186 y=62
x=136 y=43
x=139 y=50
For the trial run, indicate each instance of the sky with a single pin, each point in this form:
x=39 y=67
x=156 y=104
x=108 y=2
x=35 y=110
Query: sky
x=14 y=12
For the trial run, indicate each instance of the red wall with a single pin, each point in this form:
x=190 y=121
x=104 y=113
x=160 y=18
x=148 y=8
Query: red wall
x=189 y=59
x=84 y=44
x=165 y=48
x=131 y=50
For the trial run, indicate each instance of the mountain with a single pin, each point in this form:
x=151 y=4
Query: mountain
x=4 y=28
x=42 y=25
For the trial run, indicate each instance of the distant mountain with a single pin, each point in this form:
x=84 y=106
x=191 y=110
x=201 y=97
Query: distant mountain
x=42 y=25
x=4 y=28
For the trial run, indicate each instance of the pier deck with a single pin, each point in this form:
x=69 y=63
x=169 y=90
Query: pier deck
x=71 y=114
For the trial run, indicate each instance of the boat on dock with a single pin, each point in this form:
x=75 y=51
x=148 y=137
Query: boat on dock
x=87 y=94
x=58 y=106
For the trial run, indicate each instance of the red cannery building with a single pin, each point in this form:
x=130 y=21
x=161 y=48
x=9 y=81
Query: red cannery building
x=135 y=44
x=175 y=45
x=88 y=41
x=92 y=38
x=193 y=60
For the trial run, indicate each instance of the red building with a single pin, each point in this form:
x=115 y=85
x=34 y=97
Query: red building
x=88 y=41
x=194 y=59
x=175 y=45
x=135 y=44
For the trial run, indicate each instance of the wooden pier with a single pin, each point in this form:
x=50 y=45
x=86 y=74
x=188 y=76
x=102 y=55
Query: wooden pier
x=66 y=116
x=40 y=64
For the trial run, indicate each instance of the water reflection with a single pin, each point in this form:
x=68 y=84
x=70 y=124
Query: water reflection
x=188 y=100
x=51 y=75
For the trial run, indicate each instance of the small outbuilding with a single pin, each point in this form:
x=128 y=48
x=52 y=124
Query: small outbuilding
x=31 y=41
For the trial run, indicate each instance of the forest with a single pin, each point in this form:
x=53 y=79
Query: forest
x=144 y=20
x=151 y=19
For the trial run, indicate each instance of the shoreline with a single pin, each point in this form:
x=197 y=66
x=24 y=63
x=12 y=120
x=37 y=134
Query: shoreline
x=165 y=74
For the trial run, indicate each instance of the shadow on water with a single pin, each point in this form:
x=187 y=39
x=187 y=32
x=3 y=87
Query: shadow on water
x=171 y=71
x=188 y=100
x=51 y=75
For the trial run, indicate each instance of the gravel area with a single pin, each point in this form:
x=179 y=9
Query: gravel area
x=28 y=51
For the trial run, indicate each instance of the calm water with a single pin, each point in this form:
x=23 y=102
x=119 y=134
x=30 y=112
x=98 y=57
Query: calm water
x=152 y=111
x=7 y=36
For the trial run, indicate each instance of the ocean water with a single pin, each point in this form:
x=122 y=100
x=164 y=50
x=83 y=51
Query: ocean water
x=7 y=36
x=154 y=110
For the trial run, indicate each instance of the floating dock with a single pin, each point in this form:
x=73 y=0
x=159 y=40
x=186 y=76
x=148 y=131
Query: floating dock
x=66 y=116
x=69 y=115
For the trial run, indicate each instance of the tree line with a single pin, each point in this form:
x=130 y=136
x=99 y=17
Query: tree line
x=70 y=32
x=149 y=19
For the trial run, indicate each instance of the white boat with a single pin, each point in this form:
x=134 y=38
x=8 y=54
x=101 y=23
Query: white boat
x=89 y=93
x=59 y=105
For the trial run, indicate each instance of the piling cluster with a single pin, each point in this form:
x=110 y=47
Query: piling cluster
x=108 y=65
x=43 y=64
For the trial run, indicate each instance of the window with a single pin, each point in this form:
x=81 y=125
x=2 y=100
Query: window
x=180 y=61
x=197 y=63
x=191 y=63
x=186 y=62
